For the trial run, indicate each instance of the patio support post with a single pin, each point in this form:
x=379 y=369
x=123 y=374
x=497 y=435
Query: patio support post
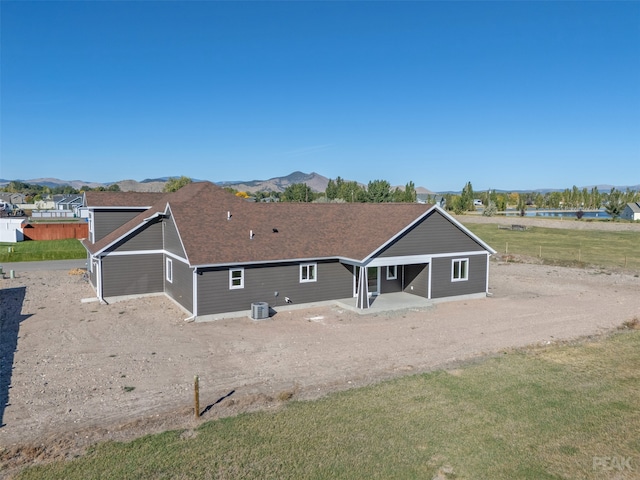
x=363 y=289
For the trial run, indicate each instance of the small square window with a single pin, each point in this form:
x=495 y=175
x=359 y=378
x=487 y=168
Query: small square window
x=392 y=272
x=308 y=272
x=236 y=278
x=169 y=270
x=460 y=270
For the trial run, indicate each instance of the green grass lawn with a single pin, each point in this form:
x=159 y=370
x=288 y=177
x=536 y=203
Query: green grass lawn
x=33 y=250
x=543 y=413
x=565 y=247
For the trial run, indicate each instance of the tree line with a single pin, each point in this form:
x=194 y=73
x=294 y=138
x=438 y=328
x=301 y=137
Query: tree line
x=340 y=191
x=380 y=191
x=34 y=192
x=577 y=199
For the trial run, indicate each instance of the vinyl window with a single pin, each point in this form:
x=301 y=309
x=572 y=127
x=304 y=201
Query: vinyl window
x=460 y=270
x=236 y=278
x=308 y=272
x=169 y=270
x=392 y=272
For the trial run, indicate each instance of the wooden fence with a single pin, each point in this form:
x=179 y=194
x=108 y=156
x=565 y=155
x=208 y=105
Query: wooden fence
x=55 y=231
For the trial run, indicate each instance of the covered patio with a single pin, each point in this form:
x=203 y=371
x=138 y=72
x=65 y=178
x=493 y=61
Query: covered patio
x=386 y=302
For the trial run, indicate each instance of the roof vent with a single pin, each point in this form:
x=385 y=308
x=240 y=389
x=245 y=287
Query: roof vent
x=251 y=234
x=228 y=215
x=275 y=230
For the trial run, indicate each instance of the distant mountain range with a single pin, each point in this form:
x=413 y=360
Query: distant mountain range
x=315 y=181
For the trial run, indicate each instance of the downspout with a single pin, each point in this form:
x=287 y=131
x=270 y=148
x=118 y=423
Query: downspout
x=429 y=279
x=486 y=283
x=99 y=282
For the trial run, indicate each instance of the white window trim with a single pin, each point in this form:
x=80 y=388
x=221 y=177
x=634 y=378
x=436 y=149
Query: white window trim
x=169 y=270
x=231 y=285
x=395 y=272
x=453 y=269
x=306 y=266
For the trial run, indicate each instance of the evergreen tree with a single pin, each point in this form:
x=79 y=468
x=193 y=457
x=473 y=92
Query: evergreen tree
x=332 y=190
x=410 y=195
x=379 y=191
x=465 y=201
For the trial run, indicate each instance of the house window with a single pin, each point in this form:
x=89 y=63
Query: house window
x=236 y=278
x=308 y=272
x=460 y=270
x=169 y=270
x=392 y=272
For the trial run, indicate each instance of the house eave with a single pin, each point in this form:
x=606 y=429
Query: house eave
x=262 y=262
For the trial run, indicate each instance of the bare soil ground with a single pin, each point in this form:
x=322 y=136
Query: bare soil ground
x=76 y=373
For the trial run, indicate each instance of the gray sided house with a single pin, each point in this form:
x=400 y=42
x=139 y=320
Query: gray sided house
x=631 y=211
x=214 y=253
x=110 y=210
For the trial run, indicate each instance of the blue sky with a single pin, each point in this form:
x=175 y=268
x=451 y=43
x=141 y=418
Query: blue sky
x=507 y=95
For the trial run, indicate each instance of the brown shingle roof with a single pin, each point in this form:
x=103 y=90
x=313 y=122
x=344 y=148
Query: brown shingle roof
x=122 y=199
x=304 y=230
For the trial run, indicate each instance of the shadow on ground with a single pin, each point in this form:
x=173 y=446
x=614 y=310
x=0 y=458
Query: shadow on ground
x=11 y=300
x=209 y=407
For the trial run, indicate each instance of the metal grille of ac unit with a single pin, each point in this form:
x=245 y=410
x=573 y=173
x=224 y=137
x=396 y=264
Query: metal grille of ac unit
x=259 y=310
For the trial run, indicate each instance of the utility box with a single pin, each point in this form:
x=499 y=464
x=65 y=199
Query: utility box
x=259 y=310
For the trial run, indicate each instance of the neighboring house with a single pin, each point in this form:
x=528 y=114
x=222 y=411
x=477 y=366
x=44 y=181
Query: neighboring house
x=47 y=204
x=13 y=198
x=436 y=199
x=631 y=211
x=68 y=202
x=214 y=253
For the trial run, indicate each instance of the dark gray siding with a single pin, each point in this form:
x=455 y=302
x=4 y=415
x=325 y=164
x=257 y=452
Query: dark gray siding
x=172 y=241
x=335 y=280
x=441 y=277
x=390 y=286
x=435 y=234
x=132 y=274
x=416 y=279
x=106 y=221
x=91 y=271
x=181 y=289
x=148 y=237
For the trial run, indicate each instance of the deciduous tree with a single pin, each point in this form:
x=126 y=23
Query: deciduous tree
x=615 y=204
x=297 y=192
x=176 y=183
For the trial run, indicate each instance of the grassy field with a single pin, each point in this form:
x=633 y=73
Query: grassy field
x=565 y=247
x=555 y=412
x=34 y=250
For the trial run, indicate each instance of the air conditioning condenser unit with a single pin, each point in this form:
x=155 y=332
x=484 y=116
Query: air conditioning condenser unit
x=259 y=310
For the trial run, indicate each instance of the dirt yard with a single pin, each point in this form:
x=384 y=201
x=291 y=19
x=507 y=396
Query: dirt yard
x=74 y=373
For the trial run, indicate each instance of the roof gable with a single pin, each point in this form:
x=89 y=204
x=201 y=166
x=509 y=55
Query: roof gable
x=433 y=233
x=634 y=207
